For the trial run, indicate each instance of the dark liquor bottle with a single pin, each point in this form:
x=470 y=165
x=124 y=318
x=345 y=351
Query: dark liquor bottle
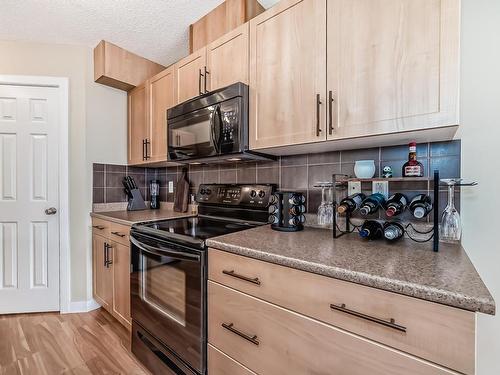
x=413 y=168
x=396 y=204
x=420 y=206
x=393 y=231
x=351 y=203
x=371 y=204
x=371 y=230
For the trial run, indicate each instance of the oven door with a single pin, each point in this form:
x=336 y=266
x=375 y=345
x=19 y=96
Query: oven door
x=207 y=132
x=168 y=297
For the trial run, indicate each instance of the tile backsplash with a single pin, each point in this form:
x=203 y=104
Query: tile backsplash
x=296 y=172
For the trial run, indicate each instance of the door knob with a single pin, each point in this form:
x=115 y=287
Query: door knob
x=51 y=211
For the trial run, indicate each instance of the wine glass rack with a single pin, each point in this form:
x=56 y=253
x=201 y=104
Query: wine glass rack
x=341 y=184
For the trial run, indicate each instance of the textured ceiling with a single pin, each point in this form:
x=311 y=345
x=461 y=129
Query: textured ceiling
x=155 y=29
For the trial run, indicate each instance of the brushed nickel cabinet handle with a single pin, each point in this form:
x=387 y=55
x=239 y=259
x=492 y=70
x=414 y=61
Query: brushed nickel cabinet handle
x=330 y=112
x=230 y=327
x=231 y=273
x=205 y=78
x=318 y=109
x=200 y=76
x=100 y=227
x=119 y=234
x=391 y=323
x=107 y=260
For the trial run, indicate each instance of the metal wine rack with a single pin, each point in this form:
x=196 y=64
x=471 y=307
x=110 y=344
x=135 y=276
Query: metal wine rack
x=341 y=182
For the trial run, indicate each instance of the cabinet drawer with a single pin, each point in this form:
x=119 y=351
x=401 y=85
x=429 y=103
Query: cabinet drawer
x=271 y=340
x=119 y=233
x=221 y=364
x=101 y=227
x=435 y=332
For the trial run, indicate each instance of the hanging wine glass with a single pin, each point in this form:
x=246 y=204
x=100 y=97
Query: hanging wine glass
x=451 y=225
x=325 y=209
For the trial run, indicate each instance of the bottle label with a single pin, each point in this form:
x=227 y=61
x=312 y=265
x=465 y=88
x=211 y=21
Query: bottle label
x=413 y=171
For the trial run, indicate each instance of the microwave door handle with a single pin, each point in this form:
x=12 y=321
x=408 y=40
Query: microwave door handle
x=161 y=252
x=219 y=134
x=212 y=130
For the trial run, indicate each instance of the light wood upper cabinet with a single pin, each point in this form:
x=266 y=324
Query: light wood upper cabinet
x=121 y=280
x=161 y=97
x=392 y=65
x=103 y=276
x=138 y=124
x=227 y=59
x=190 y=76
x=288 y=74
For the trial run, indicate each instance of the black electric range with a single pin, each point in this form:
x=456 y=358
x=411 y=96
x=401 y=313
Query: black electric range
x=169 y=276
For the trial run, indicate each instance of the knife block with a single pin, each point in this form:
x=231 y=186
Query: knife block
x=135 y=201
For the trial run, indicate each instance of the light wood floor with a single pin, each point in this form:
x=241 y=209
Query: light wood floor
x=80 y=344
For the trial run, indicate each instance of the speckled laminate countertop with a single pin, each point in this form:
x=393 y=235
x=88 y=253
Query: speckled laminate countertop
x=132 y=217
x=447 y=277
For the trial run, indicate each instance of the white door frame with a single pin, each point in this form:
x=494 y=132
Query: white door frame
x=62 y=84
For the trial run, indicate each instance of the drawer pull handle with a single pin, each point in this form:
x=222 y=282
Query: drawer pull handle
x=255 y=280
x=391 y=323
x=230 y=327
x=98 y=227
x=119 y=234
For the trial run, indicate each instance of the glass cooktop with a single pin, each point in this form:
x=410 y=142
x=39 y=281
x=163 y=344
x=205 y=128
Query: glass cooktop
x=195 y=228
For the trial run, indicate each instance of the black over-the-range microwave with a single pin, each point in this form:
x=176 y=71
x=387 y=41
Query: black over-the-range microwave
x=211 y=127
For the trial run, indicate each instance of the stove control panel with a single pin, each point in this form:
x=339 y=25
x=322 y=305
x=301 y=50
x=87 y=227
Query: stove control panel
x=256 y=196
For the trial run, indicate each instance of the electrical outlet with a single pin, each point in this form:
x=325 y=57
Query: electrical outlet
x=353 y=187
x=171 y=186
x=381 y=187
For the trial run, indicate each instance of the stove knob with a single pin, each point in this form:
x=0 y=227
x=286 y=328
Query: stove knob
x=202 y=191
x=262 y=194
x=208 y=192
x=253 y=193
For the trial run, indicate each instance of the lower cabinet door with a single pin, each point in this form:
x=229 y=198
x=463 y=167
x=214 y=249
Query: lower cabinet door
x=221 y=364
x=271 y=340
x=121 y=283
x=102 y=274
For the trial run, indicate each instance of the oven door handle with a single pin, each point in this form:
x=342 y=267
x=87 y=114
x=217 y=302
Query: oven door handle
x=161 y=252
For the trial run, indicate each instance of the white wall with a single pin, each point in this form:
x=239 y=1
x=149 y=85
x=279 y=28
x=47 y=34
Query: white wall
x=97 y=132
x=480 y=130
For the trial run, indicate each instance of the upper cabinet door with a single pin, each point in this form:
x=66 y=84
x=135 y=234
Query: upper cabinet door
x=138 y=124
x=288 y=74
x=227 y=59
x=190 y=76
x=161 y=97
x=392 y=65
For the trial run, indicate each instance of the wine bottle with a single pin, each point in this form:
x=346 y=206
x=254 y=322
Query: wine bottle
x=371 y=204
x=393 y=231
x=396 y=204
x=413 y=168
x=351 y=203
x=420 y=206
x=371 y=230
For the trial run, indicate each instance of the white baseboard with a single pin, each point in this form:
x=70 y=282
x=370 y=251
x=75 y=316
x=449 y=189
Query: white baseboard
x=82 y=306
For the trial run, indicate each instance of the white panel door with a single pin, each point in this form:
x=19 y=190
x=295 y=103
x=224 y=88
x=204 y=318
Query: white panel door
x=29 y=236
